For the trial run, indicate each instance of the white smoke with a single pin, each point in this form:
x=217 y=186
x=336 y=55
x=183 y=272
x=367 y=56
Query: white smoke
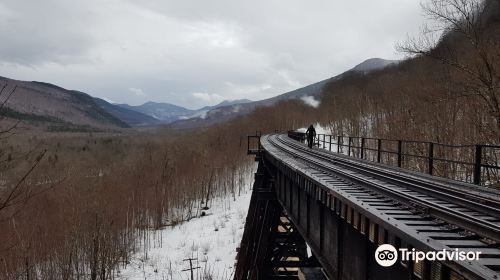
x=309 y=100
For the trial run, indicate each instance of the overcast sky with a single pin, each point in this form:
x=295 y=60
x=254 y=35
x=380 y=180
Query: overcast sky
x=196 y=53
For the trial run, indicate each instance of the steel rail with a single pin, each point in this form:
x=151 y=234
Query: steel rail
x=480 y=203
x=479 y=226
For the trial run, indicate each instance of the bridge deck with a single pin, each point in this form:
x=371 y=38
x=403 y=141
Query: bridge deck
x=387 y=204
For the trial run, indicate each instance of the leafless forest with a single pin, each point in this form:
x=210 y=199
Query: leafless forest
x=75 y=205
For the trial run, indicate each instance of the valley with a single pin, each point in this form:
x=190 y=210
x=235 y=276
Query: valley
x=200 y=156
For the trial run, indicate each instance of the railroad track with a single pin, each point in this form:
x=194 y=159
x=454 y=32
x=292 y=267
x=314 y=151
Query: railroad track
x=387 y=205
x=473 y=212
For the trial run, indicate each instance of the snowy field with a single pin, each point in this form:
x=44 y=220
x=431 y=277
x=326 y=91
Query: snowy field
x=210 y=240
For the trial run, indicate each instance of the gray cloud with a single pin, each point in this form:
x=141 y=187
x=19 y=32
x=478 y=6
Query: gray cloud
x=39 y=32
x=195 y=53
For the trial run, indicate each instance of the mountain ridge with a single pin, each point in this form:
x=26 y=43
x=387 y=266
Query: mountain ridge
x=61 y=109
x=165 y=112
x=228 y=112
x=73 y=107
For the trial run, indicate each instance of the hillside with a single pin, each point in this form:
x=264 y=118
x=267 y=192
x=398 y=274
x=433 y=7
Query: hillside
x=229 y=111
x=58 y=109
x=165 y=113
x=129 y=116
x=373 y=64
x=114 y=205
x=162 y=112
x=68 y=110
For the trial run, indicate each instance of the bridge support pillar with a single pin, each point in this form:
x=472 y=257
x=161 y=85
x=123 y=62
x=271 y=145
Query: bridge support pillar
x=271 y=247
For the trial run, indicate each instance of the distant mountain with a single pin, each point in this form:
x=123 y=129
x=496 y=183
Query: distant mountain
x=233 y=102
x=373 y=64
x=316 y=89
x=229 y=111
x=167 y=113
x=163 y=112
x=57 y=108
x=67 y=110
x=129 y=116
x=226 y=103
x=71 y=110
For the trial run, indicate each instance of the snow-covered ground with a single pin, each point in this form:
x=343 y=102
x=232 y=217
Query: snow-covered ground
x=210 y=240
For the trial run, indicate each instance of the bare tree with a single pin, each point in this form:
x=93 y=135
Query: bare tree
x=455 y=22
x=5 y=95
x=18 y=193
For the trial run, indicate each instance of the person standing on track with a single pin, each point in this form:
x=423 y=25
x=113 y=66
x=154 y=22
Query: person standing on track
x=311 y=134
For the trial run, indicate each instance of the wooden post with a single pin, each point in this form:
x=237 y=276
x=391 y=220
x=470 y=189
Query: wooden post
x=191 y=268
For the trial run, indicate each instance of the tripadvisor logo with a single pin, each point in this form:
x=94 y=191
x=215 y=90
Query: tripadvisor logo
x=386 y=255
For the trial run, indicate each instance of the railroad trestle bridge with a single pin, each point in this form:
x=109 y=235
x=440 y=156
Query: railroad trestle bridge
x=317 y=214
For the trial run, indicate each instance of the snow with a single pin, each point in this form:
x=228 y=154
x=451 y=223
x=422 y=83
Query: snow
x=322 y=130
x=211 y=240
x=325 y=131
x=319 y=129
x=236 y=108
x=202 y=114
x=310 y=100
